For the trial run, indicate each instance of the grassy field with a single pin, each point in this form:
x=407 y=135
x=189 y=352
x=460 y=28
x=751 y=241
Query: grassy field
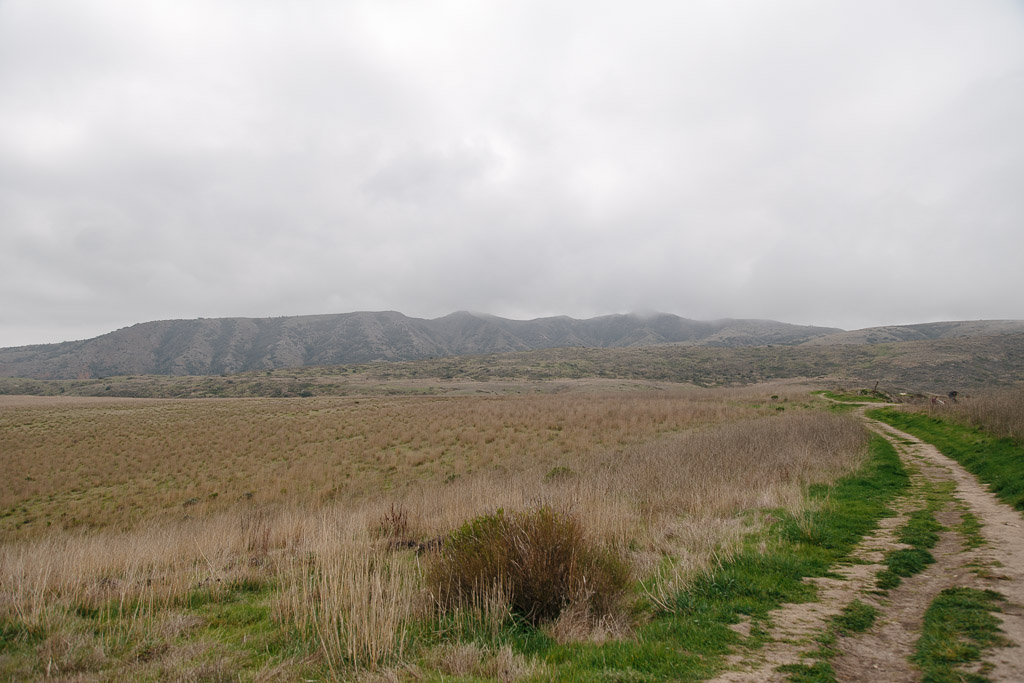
x=314 y=537
x=72 y=463
x=593 y=529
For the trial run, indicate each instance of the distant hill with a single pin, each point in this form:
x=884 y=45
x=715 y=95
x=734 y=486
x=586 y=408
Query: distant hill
x=921 y=332
x=935 y=365
x=230 y=345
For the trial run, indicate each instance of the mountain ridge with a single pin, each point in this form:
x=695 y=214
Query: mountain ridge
x=205 y=346
x=212 y=346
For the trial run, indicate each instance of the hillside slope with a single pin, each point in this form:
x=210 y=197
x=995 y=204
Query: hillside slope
x=920 y=332
x=229 y=345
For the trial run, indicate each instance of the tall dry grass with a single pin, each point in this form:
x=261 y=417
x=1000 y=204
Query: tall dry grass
x=667 y=489
x=95 y=464
x=349 y=595
x=1000 y=412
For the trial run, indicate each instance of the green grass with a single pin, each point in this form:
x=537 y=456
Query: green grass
x=958 y=627
x=230 y=628
x=999 y=462
x=901 y=564
x=856 y=617
x=970 y=529
x=921 y=532
x=689 y=641
x=818 y=672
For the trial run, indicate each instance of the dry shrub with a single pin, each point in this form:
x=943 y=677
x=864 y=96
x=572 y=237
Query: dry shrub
x=541 y=557
x=256 y=531
x=461 y=659
x=395 y=523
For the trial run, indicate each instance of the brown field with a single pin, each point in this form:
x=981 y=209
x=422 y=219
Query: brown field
x=113 y=462
x=132 y=506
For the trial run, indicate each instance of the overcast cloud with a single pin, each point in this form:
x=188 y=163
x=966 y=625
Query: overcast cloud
x=835 y=163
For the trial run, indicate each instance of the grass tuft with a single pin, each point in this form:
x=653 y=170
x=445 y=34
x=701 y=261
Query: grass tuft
x=903 y=563
x=856 y=617
x=958 y=627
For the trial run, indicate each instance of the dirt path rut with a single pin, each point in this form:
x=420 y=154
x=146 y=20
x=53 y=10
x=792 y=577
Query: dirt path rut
x=882 y=653
x=998 y=565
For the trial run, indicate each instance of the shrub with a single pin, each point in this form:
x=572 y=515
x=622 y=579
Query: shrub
x=540 y=558
x=560 y=473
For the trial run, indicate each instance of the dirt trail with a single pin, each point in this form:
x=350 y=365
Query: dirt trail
x=882 y=654
x=1001 y=558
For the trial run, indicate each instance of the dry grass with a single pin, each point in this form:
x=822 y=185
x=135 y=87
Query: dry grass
x=668 y=478
x=351 y=598
x=999 y=412
x=80 y=463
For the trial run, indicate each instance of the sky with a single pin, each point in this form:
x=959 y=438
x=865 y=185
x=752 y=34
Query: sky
x=836 y=163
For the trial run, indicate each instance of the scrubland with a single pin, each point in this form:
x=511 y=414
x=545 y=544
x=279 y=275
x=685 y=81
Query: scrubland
x=281 y=538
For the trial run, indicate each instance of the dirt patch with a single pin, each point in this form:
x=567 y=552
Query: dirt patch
x=884 y=652
x=795 y=626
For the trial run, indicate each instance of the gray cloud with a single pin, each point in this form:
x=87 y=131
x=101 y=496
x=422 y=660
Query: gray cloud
x=842 y=163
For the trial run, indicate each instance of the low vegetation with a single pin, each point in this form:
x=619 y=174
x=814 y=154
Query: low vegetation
x=89 y=464
x=958 y=626
x=541 y=537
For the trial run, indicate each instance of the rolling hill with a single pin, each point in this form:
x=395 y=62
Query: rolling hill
x=230 y=345
x=920 y=332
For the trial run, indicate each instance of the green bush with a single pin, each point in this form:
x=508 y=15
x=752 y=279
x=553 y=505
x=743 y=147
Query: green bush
x=540 y=558
x=560 y=473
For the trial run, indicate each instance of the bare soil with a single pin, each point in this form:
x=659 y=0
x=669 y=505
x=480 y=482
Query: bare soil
x=882 y=653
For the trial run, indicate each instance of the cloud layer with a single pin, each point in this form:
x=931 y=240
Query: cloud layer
x=843 y=164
